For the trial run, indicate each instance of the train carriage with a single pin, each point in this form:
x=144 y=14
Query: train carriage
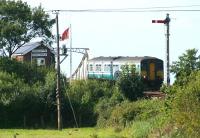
x=150 y=68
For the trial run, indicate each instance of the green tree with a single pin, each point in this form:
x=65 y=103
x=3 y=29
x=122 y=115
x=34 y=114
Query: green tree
x=27 y=95
x=10 y=87
x=130 y=83
x=19 y=24
x=30 y=73
x=186 y=64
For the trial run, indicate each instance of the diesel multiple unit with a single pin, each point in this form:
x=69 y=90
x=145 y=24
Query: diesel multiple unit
x=150 y=68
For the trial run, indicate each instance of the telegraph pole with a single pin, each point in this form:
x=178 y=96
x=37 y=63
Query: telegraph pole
x=166 y=65
x=58 y=75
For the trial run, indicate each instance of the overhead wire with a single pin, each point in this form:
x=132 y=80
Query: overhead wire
x=146 y=9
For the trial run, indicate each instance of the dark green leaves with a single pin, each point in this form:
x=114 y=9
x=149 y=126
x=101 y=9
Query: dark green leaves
x=130 y=83
x=19 y=24
x=186 y=64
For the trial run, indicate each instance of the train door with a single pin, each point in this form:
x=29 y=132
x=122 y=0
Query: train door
x=152 y=71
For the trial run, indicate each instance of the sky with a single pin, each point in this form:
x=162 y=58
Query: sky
x=125 y=34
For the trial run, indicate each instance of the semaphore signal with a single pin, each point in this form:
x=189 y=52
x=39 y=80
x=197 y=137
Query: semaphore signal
x=166 y=21
x=158 y=21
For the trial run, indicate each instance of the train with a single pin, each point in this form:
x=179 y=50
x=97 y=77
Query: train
x=108 y=68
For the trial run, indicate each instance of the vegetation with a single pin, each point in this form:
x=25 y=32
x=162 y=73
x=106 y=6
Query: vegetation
x=186 y=107
x=187 y=63
x=130 y=83
x=27 y=94
x=182 y=103
x=30 y=103
x=28 y=100
x=19 y=24
x=85 y=95
x=65 y=133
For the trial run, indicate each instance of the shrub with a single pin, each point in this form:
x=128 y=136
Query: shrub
x=130 y=83
x=27 y=95
x=125 y=113
x=186 y=106
x=91 y=99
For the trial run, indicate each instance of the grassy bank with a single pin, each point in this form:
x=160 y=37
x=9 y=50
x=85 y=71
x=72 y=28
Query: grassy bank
x=65 y=133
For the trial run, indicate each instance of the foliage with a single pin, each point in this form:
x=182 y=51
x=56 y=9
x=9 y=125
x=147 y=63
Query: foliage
x=19 y=24
x=186 y=64
x=10 y=88
x=85 y=95
x=130 y=83
x=27 y=95
x=186 y=105
x=182 y=100
x=105 y=107
x=126 y=112
x=30 y=73
x=141 y=129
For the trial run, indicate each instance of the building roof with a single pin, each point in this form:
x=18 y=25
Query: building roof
x=121 y=58
x=29 y=47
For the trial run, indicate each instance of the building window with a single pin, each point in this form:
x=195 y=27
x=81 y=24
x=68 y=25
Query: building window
x=20 y=58
x=40 y=61
x=98 y=67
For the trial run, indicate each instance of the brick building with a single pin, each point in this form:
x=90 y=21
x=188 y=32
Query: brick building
x=37 y=52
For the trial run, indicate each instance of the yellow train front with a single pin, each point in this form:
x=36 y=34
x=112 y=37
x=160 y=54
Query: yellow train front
x=150 y=69
x=152 y=73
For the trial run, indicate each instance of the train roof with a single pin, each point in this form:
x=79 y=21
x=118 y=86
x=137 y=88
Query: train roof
x=121 y=58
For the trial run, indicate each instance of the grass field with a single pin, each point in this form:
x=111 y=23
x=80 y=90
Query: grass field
x=65 y=133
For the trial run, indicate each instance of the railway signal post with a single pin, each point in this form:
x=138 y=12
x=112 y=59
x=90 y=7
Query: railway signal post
x=166 y=21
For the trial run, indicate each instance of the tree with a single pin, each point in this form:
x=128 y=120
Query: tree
x=19 y=24
x=186 y=64
x=130 y=83
x=27 y=95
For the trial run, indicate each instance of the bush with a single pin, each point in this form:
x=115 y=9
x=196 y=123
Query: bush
x=186 y=106
x=123 y=115
x=30 y=73
x=27 y=95
x=91 y=98
x=130 y=83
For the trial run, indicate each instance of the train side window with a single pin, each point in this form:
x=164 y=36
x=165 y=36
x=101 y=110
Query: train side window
x=91 y=67
x=107 y=67
x=115 y=67
x=98 y=67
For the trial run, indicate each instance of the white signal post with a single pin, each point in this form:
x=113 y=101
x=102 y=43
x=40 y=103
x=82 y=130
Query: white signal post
x=166 y=67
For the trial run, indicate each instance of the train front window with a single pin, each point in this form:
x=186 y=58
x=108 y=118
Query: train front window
x=160 y=66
